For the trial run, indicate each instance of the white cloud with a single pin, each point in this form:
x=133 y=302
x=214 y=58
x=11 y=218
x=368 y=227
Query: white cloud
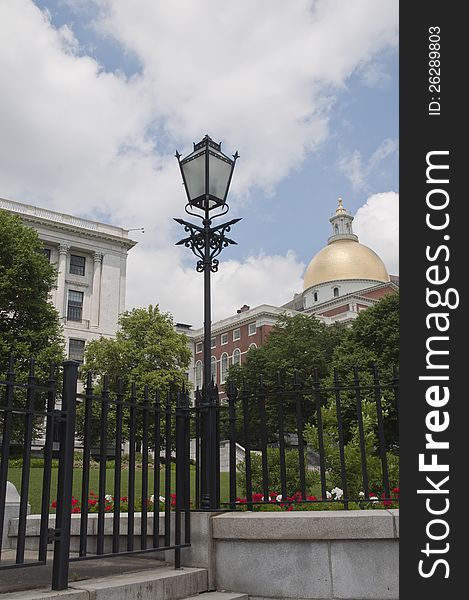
x=158 y=277
x=358 y=171
x=259 y=75
x=373 y=75
x=377 y=225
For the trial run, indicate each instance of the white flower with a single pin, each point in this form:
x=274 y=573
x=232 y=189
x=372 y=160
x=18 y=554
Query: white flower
x=279 y=498
x=108 y=497
x=361 y=494
x=328 y=495
x=338 y=493
x=152 y=498
x=162 y=498
x=374 y=498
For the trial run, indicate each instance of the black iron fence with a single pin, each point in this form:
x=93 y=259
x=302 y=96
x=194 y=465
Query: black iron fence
x=158 y=429
x=321 y=440
x=115 y=458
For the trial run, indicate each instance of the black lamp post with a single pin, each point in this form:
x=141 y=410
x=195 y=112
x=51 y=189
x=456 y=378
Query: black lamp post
x=206 y=174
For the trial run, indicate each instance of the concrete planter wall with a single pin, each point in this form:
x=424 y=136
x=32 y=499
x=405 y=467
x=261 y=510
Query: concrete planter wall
x=342 y=555
x=310 y=555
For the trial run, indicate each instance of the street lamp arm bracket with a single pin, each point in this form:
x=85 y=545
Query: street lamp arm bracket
x=197 y=242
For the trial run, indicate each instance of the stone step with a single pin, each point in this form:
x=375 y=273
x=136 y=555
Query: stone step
x=219 y=596
x=153 y=584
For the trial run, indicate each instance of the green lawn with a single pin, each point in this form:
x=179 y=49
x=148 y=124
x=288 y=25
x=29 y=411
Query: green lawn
x=35 y=485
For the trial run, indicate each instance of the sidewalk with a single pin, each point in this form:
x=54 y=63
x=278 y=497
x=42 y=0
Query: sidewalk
x=29 y=578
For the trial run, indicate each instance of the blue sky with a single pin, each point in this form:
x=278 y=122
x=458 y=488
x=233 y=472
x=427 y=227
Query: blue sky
x=103 y=92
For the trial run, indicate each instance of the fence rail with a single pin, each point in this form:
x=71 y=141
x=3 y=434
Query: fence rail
x=307 y=443
x=353 y=419
x=24 y=405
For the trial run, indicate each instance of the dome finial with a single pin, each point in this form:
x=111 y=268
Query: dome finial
x=340 y=208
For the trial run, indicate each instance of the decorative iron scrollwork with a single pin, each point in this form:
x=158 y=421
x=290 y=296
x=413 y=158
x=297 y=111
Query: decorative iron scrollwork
x=206 y=242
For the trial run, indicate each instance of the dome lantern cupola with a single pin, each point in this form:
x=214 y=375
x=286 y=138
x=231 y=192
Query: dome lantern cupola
x=341 y=225
x=343 y=260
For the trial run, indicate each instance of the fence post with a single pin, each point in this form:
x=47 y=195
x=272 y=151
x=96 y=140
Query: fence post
x=210 y=467
x=65 y=476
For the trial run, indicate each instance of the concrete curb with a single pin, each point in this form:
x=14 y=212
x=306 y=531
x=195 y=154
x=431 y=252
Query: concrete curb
x=307 y=525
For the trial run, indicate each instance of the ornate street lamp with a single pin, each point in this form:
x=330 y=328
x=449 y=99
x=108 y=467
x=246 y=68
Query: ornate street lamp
x=206 y=174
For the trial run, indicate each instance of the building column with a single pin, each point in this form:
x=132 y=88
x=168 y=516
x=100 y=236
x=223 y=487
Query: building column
x=62 y=269
x=96 y=292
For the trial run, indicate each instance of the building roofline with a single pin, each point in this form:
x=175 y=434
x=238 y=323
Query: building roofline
x=66 y=222
x=243 y=318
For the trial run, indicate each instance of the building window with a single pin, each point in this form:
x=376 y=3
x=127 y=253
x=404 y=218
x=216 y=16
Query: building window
x=223 y=367
x=251 y=329
x=236 y=357
x=46 y=252
x=213 y=369
x=336 y=292
x=236 y=334
x=76 y=350
x=77 y=264
x=198 y=374
x=198 y=347
x=315 y=296
x=223 y=339
x=213 y=343
x=251 y=346
x=75 y=305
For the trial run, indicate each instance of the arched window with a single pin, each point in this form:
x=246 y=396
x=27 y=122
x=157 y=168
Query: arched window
x=315 y=296
x=336 y=292
x=236 y=357
x=347 y=227
x=252 y=346
x=336 y=229
x=223 y=367
x=198 y=374
x=213 y=368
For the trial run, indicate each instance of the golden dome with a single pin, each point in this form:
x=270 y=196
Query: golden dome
x=344 y=259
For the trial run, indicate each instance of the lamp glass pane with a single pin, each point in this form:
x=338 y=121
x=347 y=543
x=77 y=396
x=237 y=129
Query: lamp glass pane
x=219 y=176
x=194 y=174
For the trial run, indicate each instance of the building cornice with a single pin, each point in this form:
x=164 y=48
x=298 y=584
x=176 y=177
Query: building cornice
x=68 y=223
x=225 y=325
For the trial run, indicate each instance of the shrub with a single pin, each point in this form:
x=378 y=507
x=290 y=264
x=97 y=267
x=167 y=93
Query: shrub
x=273 y=462
x=353 y=453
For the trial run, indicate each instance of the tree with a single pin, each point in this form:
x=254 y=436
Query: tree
x=295 y=347
x=146 y=351
x=373 y=338
x=295 y=344
x=29 y=324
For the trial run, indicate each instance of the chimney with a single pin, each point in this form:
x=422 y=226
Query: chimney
x=244 y=308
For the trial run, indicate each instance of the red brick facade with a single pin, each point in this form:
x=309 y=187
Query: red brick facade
x=379 y=293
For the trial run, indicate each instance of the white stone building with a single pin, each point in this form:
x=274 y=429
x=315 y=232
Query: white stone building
x=91 y=258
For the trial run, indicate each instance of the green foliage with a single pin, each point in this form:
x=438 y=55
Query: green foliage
x=29 y=324
x=295 y=347
x=146 y=351
x=35 y=463
x=373 y=338
x=273 y=462
x=352 y=451
x=296 y=344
